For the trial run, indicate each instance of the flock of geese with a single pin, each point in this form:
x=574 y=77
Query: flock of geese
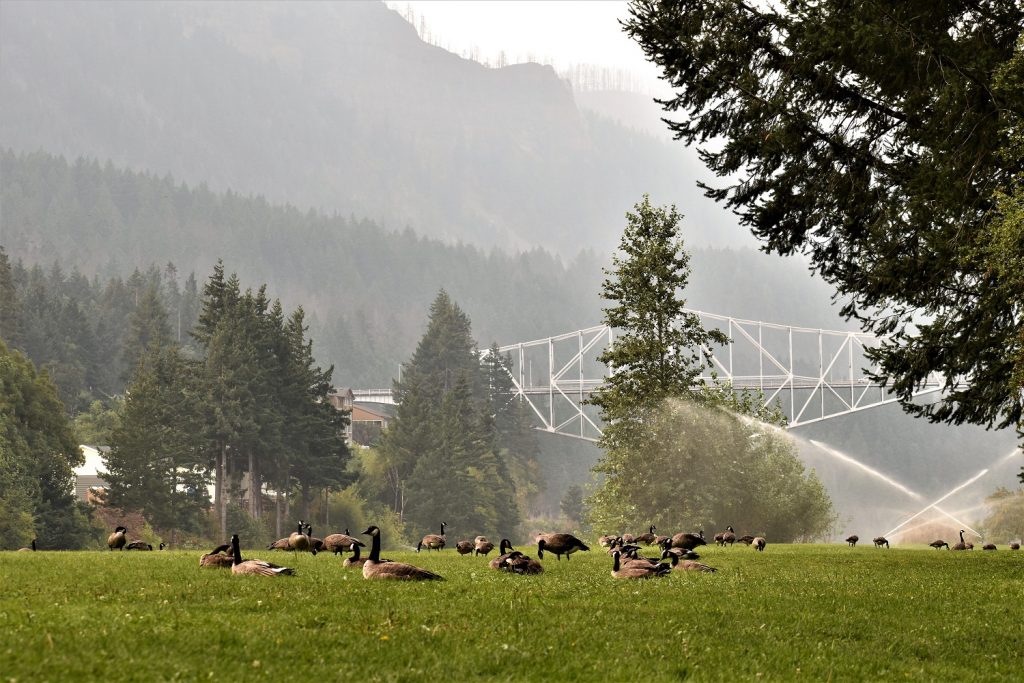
x=627 y=563
x=938 y=543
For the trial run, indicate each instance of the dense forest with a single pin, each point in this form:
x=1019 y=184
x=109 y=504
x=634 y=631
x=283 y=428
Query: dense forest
x=87 y=226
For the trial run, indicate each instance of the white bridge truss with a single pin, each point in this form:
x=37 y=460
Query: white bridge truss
x=811 y=374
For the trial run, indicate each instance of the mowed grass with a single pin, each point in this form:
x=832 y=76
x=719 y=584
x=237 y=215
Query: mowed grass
x=792 y=612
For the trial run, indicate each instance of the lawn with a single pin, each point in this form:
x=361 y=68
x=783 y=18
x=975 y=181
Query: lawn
x=793 y=612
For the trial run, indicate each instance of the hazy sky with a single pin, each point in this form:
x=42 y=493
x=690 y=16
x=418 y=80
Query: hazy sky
x=562 y=32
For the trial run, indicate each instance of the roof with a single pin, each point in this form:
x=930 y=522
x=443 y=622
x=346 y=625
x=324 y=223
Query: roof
x=386 y=411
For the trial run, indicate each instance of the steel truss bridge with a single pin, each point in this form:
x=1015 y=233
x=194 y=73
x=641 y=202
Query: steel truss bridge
x=811 y=374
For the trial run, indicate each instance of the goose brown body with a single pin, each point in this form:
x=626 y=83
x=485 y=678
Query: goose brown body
x=464 y=547
x=759 y=543
x=433 y=541
x=691 y=566
x=559 y=544
x=517 y=563
x=117 y=539
x=255 y=567
x=636 y=570
x=648 y=538
x=298 y=540
x=374 y=568
x=852 y=540
x=506 y=549
x=218 y=557
x=339 y=543
x=138 y=545
x=483 y=546
x=1015 y=545
x=880 y=541
x=685 y=540
x=939 y=544
x=29 y=549
x=989 y=546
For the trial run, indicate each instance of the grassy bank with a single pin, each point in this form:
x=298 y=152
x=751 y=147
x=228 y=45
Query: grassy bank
x=808 y=612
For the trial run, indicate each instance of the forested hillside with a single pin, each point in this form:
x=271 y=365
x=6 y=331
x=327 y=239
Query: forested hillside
x=332 y=105
x=364 y=288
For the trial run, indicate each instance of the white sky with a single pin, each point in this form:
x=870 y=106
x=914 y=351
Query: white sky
x=556 y=31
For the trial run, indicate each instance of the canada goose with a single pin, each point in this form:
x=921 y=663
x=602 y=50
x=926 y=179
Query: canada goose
x=138 y=545
x=559 y=544
x=759 y=543
x=630 y=553
x=117 y=539
x=939 y=544
x=728 y=536
x=464 y=547
x=298 y=540
x=517 y=563
x=505 y=548
x=483 y=546
x=432 y=541
x=1015 y=545
x=880 y=541
x=989 y=546
x=720 y=538
x=217 y=558
x=29 y=549
x=746 y=539
x=374 y=568
x=240 y=566
x=681 y=553
x=280 y=544
x=962 y=545
x=688 y=541
x=339 y=543
x=636 y=570
x=647 y=538
x=608 y=541
x=688 y=565
x=315 y=544
x=162 y=545
x=852 y=540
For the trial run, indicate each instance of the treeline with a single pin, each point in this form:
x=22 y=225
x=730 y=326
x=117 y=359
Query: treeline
x=251 y=416
x=88 y=333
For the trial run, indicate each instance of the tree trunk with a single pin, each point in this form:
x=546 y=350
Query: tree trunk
x=221 y=503
x=277 y=522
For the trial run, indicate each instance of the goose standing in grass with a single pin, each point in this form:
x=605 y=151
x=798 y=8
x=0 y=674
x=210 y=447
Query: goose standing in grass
x=217 y=557
x=1015 y=545
x=852 y=540
x=464 y=547
x=608 y=541
x=506 y=549
x=637 y=570
x=720 y=538
x=684 y=540
x=559 y=544
x=339 y=543
x=688 y=565
x=648 y=538
x=433 y=541
x=298 y=540
x=939 y=544
x=880 y=541
x=729 y=536
x=375 y=568
x=315 y=544
x=748 y=539
x=628 y=539
x=962 y=545
x=482 y=546
x=29 y=549
x=117 y=539
x=280 y=544
x=260 y=567
x=517 y=563
x=759 y=543
x=163 y=545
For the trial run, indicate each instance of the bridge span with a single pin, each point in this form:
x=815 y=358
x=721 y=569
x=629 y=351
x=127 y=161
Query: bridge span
x=811 y=374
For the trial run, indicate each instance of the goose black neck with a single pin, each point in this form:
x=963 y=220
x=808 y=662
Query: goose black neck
x=235 y=551
x=961 y=535
x=374 y=547
x=33 y=544
x=355 y=552
x=300 y=527
x=615 y=567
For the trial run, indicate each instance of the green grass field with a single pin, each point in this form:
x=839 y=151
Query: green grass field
x=793 y=612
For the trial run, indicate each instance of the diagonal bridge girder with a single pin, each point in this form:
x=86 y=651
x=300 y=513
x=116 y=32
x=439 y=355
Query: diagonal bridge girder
x=812 y=374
